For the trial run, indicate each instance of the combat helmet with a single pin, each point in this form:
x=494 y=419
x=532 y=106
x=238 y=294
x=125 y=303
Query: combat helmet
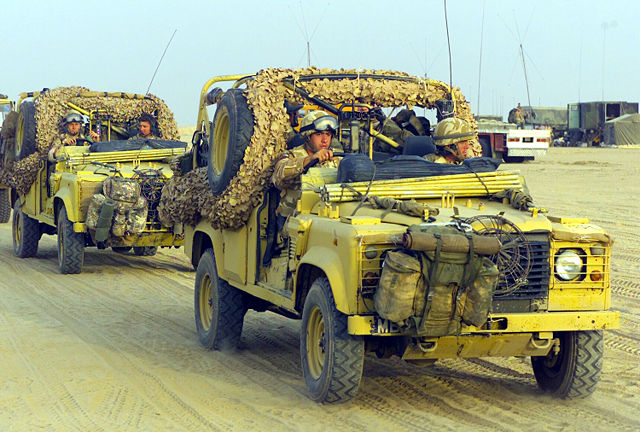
x=451 y=131
x=318 y=121
x=72 y=116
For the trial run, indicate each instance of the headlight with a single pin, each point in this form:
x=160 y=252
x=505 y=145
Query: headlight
x=568 y=265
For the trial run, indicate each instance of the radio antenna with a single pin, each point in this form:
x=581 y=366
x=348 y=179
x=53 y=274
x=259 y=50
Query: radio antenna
x=446 y=22
x=158 y=67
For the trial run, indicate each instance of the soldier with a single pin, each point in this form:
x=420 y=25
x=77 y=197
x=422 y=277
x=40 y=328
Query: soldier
x=519 y=117
x=294 y=139
x=318 y=128
x=455 y=142
x=146 y=125
x=72 y=123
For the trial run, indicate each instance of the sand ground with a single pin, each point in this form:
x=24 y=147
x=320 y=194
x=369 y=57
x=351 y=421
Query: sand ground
x=115 y=348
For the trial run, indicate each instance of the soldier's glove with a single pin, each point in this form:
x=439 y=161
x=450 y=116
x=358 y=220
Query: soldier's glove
x=377 y=114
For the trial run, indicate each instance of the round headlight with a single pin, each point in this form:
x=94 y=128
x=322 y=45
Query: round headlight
x=568 y=265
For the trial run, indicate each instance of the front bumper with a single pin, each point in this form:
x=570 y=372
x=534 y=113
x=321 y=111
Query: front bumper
x=371 y=325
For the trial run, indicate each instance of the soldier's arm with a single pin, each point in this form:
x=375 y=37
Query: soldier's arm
x=287 y=170
x=57 y=144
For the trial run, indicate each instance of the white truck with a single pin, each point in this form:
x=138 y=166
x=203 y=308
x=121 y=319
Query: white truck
x=503 y=140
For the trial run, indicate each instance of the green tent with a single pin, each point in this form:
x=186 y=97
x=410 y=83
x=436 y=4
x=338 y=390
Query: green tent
x=622 y=131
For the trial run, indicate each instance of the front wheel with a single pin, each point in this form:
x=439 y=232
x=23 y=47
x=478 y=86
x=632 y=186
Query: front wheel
x=572 y=369
x=5 y=206
x=26 y=233
x=219 y=307
x=70 y=245
x=332 y=359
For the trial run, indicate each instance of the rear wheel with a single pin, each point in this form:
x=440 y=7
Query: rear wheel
x=571 y=370
x=232 y=131
x=5 y=206
x=332 y=359
x=145 y=250
x=219 y=307
x=25 y=232
x=25 y=143
x=70 y=246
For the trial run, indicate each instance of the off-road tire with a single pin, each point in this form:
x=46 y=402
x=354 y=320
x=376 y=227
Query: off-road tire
x=5 y=206
x=332 y=359
x=232 y=131
x=8 y=138
x=145 y=250
x=121 y=249
x=25 y=232
x=25 y=142
x=70 y=246
x=219 y=307
x=575 y=370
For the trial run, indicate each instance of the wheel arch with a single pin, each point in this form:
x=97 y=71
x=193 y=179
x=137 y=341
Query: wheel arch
x=317 y=262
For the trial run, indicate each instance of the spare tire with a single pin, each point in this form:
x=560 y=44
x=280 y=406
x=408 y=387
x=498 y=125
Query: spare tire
x=8 y=138
x=232 y=131
x=25 y=143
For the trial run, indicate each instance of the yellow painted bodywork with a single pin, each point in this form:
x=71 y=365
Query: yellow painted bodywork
x=344 y=242
x=76 y=179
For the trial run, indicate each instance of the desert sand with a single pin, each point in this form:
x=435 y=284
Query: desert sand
x=115 y=348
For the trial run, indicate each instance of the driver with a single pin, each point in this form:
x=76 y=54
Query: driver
x=72 y=123
x=146 y=125
x=455 y=141
x=318 y=129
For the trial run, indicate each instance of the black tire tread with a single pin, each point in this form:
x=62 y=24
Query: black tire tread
x=347 y=365
x=73 y=258
x=240 y=133
x=585 y=358
x=5 y=206
x=228 y=308
x=30 y=235
x=29 y=146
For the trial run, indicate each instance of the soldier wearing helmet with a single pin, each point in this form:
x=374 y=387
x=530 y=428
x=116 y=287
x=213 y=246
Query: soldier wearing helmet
x=146 y=127
x=455 y=141
x=318 y=129
x=71 y=124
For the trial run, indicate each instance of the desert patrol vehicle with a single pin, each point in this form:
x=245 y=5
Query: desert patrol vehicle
x=102 y=193
x=385 y=255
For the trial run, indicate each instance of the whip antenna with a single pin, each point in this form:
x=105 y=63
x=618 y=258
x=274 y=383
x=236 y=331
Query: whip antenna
x=446 y=23
x=158 y=67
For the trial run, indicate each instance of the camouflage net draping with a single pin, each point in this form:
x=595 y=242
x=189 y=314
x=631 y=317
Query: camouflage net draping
x=265 y=95
x=51 y=107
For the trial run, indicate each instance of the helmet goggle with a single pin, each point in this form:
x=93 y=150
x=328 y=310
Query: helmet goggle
x=70 y=118
x=322 y=124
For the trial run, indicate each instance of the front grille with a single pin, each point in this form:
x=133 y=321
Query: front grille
x=528 y=297
x=151 y=184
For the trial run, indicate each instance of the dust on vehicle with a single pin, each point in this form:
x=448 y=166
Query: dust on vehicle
x=387 y=254
x=103 y=193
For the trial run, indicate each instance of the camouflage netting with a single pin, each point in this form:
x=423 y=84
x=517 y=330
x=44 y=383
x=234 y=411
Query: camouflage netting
x=265 y=95
x=183 y=197
x=51 y=107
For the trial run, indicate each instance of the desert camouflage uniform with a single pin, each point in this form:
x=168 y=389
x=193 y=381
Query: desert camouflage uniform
x=287 y=177
x=139 y=136
x=58 y=143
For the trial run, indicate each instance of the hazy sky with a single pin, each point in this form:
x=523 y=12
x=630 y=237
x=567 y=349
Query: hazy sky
x=115 y=45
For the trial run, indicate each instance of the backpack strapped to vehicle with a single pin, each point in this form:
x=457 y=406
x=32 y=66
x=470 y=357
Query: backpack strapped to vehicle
x=441 y=279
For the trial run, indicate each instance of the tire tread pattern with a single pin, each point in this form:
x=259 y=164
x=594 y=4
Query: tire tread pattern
x=72 y=259
x=345 y=369
x=5 y=206
x=29 y=234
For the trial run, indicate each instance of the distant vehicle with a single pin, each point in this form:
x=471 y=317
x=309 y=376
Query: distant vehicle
x=554 y=118
x=586 y=119
x=504 y=141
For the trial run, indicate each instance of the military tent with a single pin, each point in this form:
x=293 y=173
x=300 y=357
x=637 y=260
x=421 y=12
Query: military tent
x=622 y=131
